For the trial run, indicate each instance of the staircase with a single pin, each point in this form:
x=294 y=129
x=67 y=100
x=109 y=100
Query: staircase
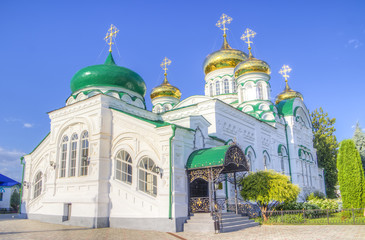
x=234 y=222
x=203 y=222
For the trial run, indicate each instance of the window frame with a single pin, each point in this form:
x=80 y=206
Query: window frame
x=63 y=157
x=125 y=171
x=38 y=185
x=84 y=158
x=146 y=171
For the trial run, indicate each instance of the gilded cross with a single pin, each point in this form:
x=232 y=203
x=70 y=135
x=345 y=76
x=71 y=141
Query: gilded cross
x=165 y=63
x=284 y=72
x=224 y=19
x=112 y=32
x=247 y=37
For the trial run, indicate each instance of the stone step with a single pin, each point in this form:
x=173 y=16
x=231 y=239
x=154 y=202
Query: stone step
x=234 y=220
x=199 y=227
x=233 y=228
x=234 y=216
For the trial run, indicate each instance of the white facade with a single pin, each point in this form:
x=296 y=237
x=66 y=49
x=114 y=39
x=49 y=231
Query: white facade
x=109 y=162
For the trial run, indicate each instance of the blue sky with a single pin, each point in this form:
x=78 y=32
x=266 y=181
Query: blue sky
x=44 y=43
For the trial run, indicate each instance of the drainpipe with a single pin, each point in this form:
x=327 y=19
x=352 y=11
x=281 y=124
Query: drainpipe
x=173 y=127
x=287 y=146
x=21 y=189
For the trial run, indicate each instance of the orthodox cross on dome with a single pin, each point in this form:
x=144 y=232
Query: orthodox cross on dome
x=285 y=69
x=164 y=65
x=247 y=38
x=224 y=19
x=112 y=32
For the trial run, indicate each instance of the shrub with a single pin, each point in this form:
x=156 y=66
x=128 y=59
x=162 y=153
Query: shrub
x=324 y=203
x=316 y=194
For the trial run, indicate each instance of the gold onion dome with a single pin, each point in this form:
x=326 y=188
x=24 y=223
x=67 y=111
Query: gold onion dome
x=165 y=90
x=251 y=65
x=288 y=93
x=226 y=57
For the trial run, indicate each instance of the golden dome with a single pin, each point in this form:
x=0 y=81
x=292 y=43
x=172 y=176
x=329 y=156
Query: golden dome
x=288 y=93
x=251 y=65
x=226 y=57
x=165 y=90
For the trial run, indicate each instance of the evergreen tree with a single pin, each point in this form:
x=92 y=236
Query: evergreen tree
x=350 y=175
x=359 y=139
x=326 y=144
x=264 y=187
x=15 y=200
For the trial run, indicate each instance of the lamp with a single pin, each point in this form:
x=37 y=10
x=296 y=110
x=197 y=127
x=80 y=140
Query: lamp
x=52 y=164
x=159 y=171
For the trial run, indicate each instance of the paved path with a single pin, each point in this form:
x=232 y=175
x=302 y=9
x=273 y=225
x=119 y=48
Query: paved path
x=31 y=229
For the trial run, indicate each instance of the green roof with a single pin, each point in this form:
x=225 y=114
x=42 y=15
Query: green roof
x=285 y=107
x=108 y=75
x=209 y=157
x=157 y=123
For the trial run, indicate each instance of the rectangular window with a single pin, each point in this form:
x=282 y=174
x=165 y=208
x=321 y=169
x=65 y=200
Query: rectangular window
x=73 y=159
x=84 y=156
x=63 y=160
x=1 y=196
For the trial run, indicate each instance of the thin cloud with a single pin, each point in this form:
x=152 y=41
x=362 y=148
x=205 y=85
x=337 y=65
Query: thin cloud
x=354 y=43
x=28 y=125
x=18 y=120
x=10 y=163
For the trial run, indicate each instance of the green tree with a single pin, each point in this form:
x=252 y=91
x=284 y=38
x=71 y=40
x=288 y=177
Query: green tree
x=15 y=200
x=359 y=139
x=350 y=175
x=326 y=144
x=265 y=187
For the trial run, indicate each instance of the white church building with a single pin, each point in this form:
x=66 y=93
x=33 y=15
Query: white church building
x=110 y=162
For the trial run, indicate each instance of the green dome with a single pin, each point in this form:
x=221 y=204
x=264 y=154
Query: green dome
x=108 y=75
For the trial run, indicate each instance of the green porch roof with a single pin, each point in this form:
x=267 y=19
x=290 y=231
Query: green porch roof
x=209 y=157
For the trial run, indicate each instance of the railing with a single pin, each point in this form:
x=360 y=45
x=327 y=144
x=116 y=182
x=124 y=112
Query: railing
x=245 y=208
x=199 y=204
x=219 y=205
x=317 y=216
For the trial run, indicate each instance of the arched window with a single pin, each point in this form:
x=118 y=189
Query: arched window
x=147 y=175
x=74 y=139
x=217 y=88
x=63 y=156
x=234 y=86
x=166 y=108
x=248 y=93
x=249 y=159
x=259 y=91
x=123 y=167
x=84 y=153
x=38 y=184
x=226 y=86
x=283 y=158
x=265 y=162
x=211 y=89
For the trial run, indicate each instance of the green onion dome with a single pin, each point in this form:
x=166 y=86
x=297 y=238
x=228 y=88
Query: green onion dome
x=108 y=75
x=251 y=65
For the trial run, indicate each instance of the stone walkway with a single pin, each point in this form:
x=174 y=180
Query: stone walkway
x=31 y=229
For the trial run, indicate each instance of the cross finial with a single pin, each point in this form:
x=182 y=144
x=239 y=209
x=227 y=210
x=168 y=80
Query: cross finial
x=224 y=19
x=247 y=38
x=164 y=65
x=112 y=32
x=285 y=69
